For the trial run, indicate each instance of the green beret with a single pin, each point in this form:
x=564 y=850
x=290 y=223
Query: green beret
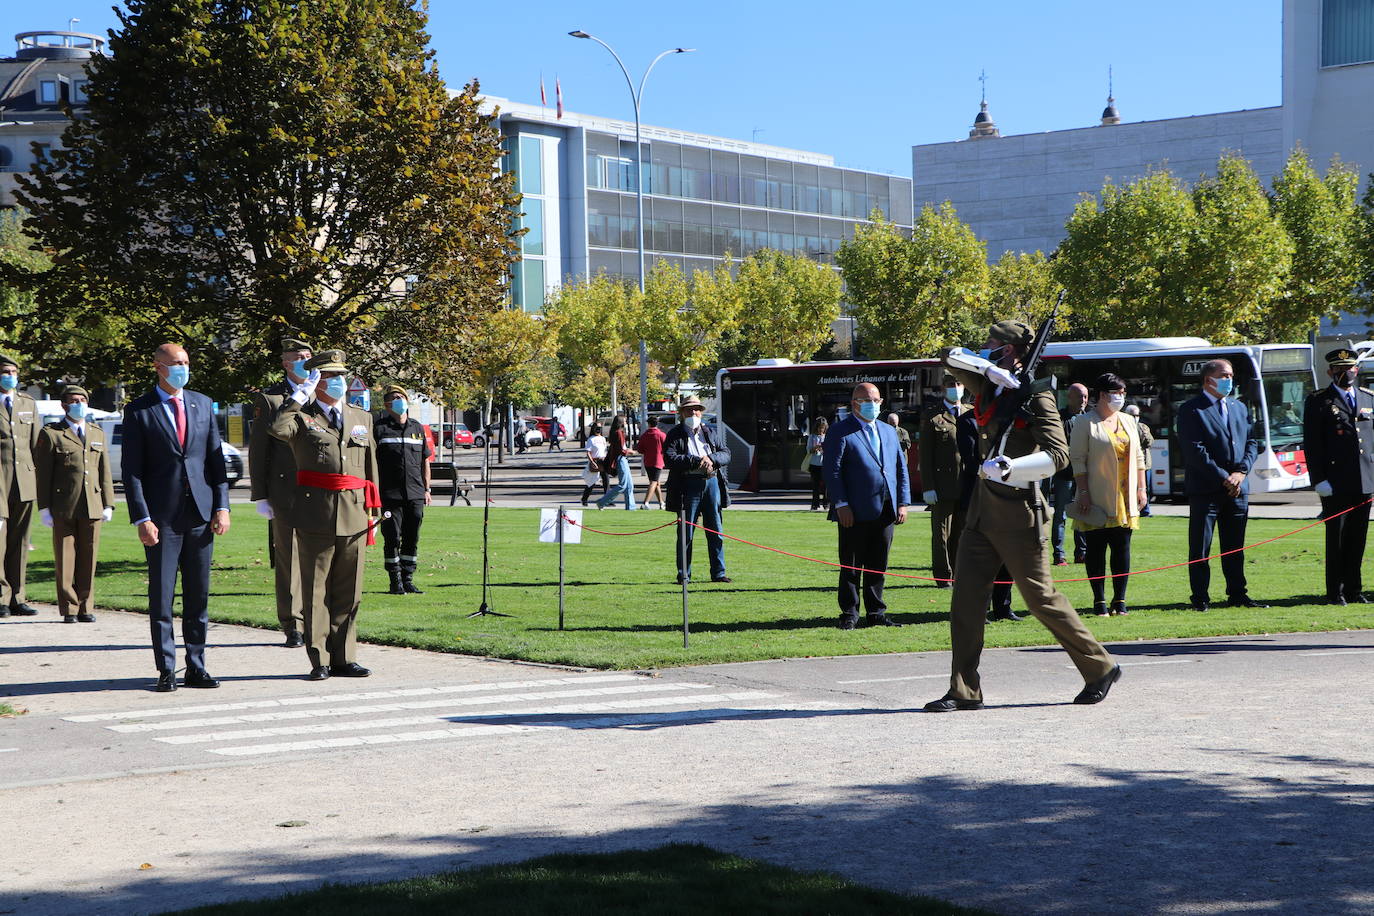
x=291 y=345
x=1343 y=358
x=1012 y=332
x=327 y=361
x=6 y=360
x=75 y=389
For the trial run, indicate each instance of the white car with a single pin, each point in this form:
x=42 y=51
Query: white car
x=113 y=427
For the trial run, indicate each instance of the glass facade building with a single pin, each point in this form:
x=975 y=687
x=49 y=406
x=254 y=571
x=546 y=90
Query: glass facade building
x=703 y=197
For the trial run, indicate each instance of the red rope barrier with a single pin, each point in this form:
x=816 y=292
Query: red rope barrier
x=619 y=534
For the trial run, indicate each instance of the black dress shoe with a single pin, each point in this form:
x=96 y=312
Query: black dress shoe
x=4 y=612
x=318 y=673
x=1335 y=599
x=24 y=610
x=1200 y=606
x=721 y=579
x=198 y=677
x=880 y=620
x=1007 y=614
x=68 y=618
x=166 y=682
x=1096 y=692
x=949 y=704
x=294 y=640
x=351 y=669
x=1245 y=601
x=85 y=618
x=848 y=623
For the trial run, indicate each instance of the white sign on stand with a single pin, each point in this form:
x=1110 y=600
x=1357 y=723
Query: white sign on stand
x=572 y=526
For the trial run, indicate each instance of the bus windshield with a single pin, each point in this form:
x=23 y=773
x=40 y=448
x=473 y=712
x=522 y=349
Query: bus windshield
x=1286 y=393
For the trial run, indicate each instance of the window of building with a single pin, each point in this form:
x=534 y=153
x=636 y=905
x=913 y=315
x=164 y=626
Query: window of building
x=532 y=285
x=47 y=92
x=1347 y=32
x=79 y=90
x=6 y=158
x=532 y=242
x=531 y=165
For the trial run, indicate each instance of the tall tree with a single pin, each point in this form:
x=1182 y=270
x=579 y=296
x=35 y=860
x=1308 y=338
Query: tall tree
x=598 y=320
x=514 y=358
x=788 y=303
x=684 y=323
x=251 y=167
x=911 y=296
x=1021 y=286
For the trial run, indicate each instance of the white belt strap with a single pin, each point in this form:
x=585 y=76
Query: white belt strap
x=399 y=440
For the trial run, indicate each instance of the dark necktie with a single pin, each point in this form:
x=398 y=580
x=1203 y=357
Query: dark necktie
x=334 y=419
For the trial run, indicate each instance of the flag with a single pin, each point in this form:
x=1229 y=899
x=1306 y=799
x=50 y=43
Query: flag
x=543 y=99
x=558 y=95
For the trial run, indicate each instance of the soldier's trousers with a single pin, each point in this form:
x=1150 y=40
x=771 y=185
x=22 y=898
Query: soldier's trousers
x=288 y=580
x=74 y=545
x=946 y=524
x=16 y=543
x=1025 y=552
x=332 y=587
x=1345 y=538
x=401 y=533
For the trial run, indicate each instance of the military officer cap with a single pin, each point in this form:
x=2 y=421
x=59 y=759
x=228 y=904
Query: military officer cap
x=394 y=389
x=1343 y=358
x=6 y=360
x=1011 y=332
x=71 y=390
x=327 y=361
x=292 y=345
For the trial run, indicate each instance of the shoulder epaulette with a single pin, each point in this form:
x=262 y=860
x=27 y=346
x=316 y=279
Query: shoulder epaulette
x=1043 y=384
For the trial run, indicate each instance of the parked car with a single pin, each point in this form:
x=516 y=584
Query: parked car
x=459 y=436
x=546 y=423
x=233 y=458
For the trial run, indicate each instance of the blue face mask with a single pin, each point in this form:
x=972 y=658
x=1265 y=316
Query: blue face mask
x=335 y=386
x=1224 y=386
x=178 y=376
x=868 y=410
x=298 y=369
x=985 y=353
x=398 y=406
x=954 y=395
x=77 y=410
x=9 y=382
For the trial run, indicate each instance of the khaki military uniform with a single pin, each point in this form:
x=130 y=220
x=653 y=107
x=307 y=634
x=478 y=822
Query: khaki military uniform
x=941 y=470
x=1008 y=525
x=331 y=526
x=273 y=468
x=75 y=485
x=20 y=427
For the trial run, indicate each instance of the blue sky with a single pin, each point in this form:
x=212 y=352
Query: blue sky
x=862 y=80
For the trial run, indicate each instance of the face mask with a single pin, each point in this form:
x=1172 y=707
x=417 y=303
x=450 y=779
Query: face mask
x=954 y=395
x=868 y=410
x=1346 y=378
x=691 y=421
x=9 y=382
x=1224 y=386
x=398 y=406
x=985 y=353
x=77 y=410
x=1117 y=401
x=298 y=369
x=178 y=376
x=335 y=386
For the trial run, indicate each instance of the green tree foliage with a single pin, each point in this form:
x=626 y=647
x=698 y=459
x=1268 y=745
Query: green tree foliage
x=247 y=168
x=599 y=321
x=1022 y=286
x=685 y=323
x=912 y=296
x=514 y=358
x=787 y=304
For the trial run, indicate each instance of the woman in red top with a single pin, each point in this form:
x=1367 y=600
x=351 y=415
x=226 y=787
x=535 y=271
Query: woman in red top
x=650 y=445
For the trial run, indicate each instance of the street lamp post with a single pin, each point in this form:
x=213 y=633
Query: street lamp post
x=636 y=96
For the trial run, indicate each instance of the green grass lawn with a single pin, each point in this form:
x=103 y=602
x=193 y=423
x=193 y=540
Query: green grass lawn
x=623 y=609
x=678 y=879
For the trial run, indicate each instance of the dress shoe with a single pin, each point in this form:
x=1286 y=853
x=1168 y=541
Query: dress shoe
x=1079 y=556
x=85 y=618
x=68 y=618
x=1335 y=599
x=848 y=623
x=682 y=579
x=350 y=669
x=1096 y=692
x=1244 y=601
x=198 y=677
x=24 y=610
x=166 y=682
x=1005 y=614
x=721 y=579
x=880 y=620
x=294 y=640
x=318 y=673
x=4 y=612
x=942 y=584
x=949 y=704
x=1200 y=606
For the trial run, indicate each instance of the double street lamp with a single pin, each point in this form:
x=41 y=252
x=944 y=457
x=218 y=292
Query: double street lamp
x=636 y=96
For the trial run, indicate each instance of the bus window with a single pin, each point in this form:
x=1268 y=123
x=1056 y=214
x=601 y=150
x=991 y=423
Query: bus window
x=1286 y=393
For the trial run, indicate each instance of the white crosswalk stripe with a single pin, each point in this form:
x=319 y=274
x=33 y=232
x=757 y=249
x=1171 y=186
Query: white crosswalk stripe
x=256 y=728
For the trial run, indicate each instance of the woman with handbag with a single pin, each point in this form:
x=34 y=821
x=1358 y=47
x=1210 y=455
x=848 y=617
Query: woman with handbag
x=618 y=455
x=1109 y=470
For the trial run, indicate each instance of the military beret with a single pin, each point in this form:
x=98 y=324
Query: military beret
x=8 y=361
x=75 y=389
x=1343 y=358
x=394 y=389
x=327 y=361
x=1011 y=332
x=291 y=345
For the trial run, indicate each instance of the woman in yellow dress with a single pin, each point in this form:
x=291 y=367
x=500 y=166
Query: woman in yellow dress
x=1109 y=469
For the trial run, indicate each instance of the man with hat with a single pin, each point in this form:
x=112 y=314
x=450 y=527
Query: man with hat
x=336 y=497
x=1007 y=520
x=19 y=431
x=941 y=476
x=75 y=496
x=273 y=488
x=696 y=461
x=1338 y=436
x=403 y=457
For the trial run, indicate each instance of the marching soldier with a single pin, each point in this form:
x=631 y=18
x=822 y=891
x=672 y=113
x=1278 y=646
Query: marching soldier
x=273 y=488
x=941 y=473
x=75 y=496
x=336 y=495
x=1006 y=521
x=403 y=457
x=1338 y=434
x=19 y=431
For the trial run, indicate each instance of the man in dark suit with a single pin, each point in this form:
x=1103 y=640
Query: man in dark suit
x=866 y=477
x=1218 y=452
x=178 y=496
x=1338 y=436
x=696 y=462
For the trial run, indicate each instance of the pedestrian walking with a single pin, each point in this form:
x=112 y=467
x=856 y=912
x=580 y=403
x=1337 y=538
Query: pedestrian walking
x=403 y=457
x=650 y=448
x=555 y=435
x=19 y=432
x=617 y=461
x=596 y=464
x=966 y=435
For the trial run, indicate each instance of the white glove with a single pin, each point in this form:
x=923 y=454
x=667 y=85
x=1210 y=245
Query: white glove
x=995 y=468
x=305 y=391
x=1002 y=377
x=264 y=508
x=1323 y=488
x=107 y=514
x=930 y=496
x=45 y=516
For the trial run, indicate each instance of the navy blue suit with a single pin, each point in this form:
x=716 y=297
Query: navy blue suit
x=873 y=485
x=178 y=489
x=1214 y=447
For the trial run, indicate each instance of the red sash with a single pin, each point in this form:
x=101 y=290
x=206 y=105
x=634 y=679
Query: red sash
x=372 y=497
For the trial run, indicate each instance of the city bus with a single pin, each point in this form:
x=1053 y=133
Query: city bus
x=765 y=410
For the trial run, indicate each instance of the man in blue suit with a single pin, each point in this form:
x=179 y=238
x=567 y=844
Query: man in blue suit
x=1218 y=452
x=866 y=476
x=178 y=496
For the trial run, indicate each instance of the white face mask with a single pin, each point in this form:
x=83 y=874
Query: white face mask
x=691 y=421
x=1116 y=401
